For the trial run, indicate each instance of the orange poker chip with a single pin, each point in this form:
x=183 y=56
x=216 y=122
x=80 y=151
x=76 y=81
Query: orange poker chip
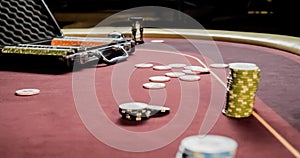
x=27 y=92
x=77 y=41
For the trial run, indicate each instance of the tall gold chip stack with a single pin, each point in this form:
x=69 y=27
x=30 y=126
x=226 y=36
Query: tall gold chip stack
x=242 y=85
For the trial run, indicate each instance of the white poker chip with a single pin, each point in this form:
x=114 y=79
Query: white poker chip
x=192 y=67
x=159 y=79
x=177 y=65
x=174 y=74
x=190 y=72
x=162 y=68
x=190 y=78
x=143 y=65
x=201 y=70
x=243 y=66
x=157 y=41
x=27 y=92
x=133 y=105
x=154 y=85
x=208 y=146
x=219 y=65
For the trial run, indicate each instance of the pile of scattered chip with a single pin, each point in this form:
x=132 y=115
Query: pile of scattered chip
x=138 y=111
x=207 y=146
x=188 y=73
x=242 y=85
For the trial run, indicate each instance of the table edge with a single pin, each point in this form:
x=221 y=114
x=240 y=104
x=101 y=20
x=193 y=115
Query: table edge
x=283 y=42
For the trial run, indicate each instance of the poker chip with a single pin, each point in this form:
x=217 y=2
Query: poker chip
x=174 y=74
x=193 y=68
x=161 y=68
x=242 y=85
x=206 y=146
x=133 y=105
x=138 y=111
x=177 y=66
x=219 y=65
x=190 y=78
x=135 y=111
x=159 y=79
x=144 y=65
x=243 y=66
x=157 y=41
x=27 y=92
x=154 y=85
x=201 y=70
x=134 y=117
x=190 y=72
x=158 y=110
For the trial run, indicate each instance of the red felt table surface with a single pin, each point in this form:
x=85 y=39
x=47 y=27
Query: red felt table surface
x=76 y=114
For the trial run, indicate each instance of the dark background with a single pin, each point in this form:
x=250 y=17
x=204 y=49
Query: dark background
x=264 y=16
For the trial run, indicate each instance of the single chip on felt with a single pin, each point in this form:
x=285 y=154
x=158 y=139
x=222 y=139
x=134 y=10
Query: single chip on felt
x=154 y=85
x=191 y=67
x=190 y=72
x=159 y=79
x=201 y=70
x=189 y=78
x=177 y=65
x=144 y=65
x=162 y=67
x=27 y=92
x=219 y=65
x=174 y=74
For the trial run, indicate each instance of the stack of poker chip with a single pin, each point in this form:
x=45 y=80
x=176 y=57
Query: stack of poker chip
x=207 y=146
x=138 y=111
x=242 y=86
x=81 y=41
x=41 y=50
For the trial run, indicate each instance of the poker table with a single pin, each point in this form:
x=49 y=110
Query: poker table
x=76 y=113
